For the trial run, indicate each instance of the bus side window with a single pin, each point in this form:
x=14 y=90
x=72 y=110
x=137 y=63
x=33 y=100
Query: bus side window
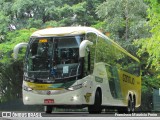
x=127 y=64
x=105 y=52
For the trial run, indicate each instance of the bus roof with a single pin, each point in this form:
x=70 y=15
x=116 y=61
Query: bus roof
x=62 y=31
x=66 y=31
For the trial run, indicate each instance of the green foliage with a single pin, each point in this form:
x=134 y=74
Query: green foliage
x=149 y=53
x=100 y=25
x=52 y=23
x=13 y=38
x=11 y=72
x=150 y=45
x=35 y=13
x=11 y=76
x=150 y=81
x=126 y=20
x=4 y=20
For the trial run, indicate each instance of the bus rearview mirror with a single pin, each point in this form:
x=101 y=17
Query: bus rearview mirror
x=17 y=47
x=83 y=46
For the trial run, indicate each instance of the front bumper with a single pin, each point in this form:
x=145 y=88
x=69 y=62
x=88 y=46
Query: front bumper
x=75 y=97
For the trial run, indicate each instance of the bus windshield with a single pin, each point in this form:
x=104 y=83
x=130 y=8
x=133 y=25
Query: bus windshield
x=53 y=59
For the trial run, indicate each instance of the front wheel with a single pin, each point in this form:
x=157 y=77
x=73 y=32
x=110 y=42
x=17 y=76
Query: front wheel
x=48 y=109
x=96 y=108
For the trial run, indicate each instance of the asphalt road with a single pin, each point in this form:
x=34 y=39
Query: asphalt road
x=77 y=116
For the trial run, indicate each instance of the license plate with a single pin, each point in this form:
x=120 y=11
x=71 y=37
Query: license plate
x=48 y=101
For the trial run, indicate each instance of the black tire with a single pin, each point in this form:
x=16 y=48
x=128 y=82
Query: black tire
x=133 y=105
x=96 y=108
x=128 y=109
x=48 y=109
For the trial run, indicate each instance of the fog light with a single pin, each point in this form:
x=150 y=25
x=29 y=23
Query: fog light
x=26 y=98
x=75 y=98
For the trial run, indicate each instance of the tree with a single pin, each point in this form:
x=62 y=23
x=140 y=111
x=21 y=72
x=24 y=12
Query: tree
x=35 y=13
x=4 y=20
x=11 y=81
x=150 y=45
x=125 y=18
x=149 y=49
x=125 y=22
x=11 y=71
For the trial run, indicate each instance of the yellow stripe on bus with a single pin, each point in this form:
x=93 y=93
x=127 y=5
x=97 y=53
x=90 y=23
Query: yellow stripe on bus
x=37 y=86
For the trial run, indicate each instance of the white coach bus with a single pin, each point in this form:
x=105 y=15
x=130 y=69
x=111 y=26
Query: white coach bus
x=79 y=67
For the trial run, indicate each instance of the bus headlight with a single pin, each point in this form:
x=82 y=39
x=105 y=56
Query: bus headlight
x=27 y=88
x=75 y=87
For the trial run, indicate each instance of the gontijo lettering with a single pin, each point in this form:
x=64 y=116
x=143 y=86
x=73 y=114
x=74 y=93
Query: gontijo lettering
x=128 y=79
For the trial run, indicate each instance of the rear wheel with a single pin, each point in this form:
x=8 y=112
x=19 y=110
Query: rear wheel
x=48 y=109
x=133 y=105
x=130 y=107
x=96 y=108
